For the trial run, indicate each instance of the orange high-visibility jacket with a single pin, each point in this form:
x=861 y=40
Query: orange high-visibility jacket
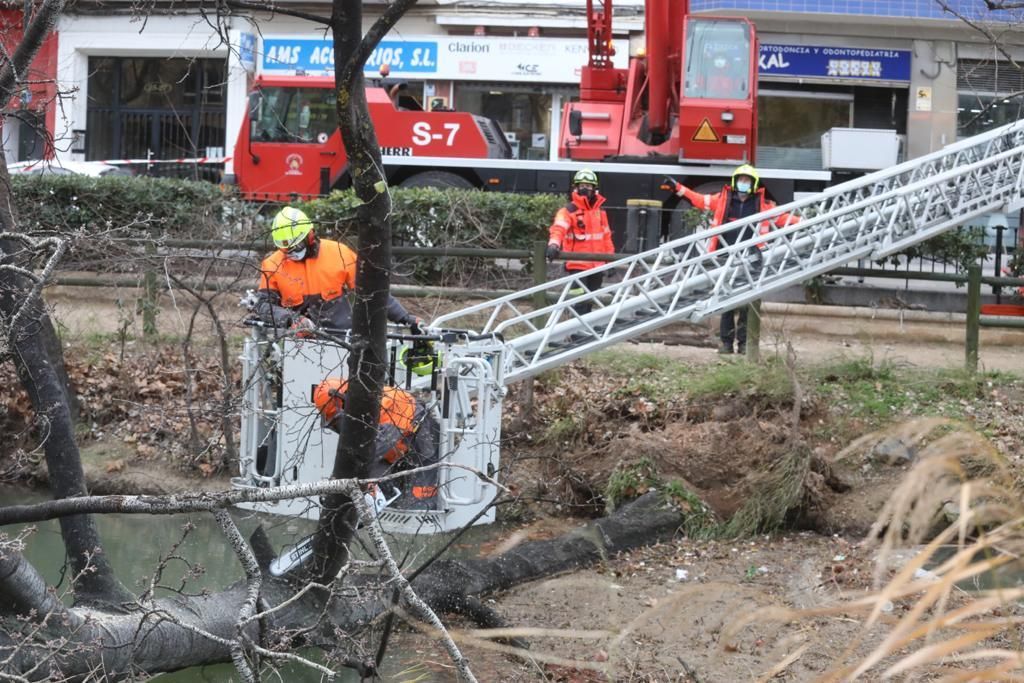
x=400 y=417
x=581 y=228
x=327 y=275
x=718 y=204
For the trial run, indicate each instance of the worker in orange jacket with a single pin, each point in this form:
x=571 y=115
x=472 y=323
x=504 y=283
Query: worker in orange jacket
x=407 y=437
x=303 y=284
x=741 y=198
x=581 y=226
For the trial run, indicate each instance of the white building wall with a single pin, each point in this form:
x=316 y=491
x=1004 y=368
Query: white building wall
x=82 y=37
x=9 y=138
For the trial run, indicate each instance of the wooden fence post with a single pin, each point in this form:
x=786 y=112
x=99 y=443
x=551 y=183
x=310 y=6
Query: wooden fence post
x=973 y=317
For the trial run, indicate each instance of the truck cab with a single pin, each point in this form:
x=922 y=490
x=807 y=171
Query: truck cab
x=289 y=143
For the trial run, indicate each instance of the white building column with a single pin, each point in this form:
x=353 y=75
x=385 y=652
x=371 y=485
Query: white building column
x=241 y=65
x=556 y=126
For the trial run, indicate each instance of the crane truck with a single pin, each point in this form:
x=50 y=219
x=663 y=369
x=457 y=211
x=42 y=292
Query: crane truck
x=686 y=107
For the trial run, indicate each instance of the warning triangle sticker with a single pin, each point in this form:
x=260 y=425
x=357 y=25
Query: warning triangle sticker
x=705 y=133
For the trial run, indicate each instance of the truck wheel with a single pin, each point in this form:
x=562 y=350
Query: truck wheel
x=684 y=220
x=441 y=179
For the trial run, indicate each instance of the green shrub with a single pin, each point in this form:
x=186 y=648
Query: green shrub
x=128 y=206
x=628 y=481
x=961 y=248
x=432 y=217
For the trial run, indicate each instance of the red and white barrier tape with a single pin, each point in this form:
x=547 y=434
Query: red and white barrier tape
x=195 y=160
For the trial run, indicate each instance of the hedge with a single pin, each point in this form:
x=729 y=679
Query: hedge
x=91 y=211
x=85 y=207
x=448 y=217
x=73 y=204
x=185 y=208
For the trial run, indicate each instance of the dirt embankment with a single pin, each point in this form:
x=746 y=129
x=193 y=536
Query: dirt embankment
x=711 y=432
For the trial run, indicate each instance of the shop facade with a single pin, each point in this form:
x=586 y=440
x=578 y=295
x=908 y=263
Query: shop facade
x=174 y=90
x=169 y=91
x=811 y=84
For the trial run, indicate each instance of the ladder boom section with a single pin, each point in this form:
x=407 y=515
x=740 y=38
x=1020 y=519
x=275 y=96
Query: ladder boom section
x=867 y=218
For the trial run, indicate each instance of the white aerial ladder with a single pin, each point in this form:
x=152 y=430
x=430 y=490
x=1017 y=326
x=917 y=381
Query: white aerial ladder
x=486 y=347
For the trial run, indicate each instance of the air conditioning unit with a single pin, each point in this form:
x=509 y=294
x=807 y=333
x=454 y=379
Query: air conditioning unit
x=859 y=149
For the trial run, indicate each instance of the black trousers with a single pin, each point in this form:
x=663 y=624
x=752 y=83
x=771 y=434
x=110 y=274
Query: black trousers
x=733 y=327
x=591 y=282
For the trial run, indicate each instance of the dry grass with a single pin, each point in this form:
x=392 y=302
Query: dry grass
x=951 y=612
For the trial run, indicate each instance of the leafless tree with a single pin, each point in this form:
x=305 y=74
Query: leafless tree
x=110 y=632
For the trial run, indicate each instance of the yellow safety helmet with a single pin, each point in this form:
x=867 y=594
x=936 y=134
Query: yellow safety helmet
x=291 y=228
x=420 y=358
x=746 y=169
x=585 y=175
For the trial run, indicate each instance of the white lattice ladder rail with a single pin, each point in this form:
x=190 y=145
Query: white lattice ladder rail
x=866 y=218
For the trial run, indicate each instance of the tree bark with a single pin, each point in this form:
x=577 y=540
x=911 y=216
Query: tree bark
x=36 y=351
x=166 y=635
x=367 y=358
x=94 y=579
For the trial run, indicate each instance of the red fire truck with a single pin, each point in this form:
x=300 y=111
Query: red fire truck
x=289 y=142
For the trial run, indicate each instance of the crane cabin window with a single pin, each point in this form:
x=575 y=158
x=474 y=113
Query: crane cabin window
x=717 y=59
x=286 y=114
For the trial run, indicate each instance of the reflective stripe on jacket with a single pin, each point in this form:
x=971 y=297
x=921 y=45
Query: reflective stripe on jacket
x=582 y=230
x=718 y=204
x=327 y=275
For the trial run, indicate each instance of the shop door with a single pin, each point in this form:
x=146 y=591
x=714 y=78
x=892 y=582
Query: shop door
x=155 y=108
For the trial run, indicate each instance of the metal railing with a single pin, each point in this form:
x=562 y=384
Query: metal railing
x=535 y=260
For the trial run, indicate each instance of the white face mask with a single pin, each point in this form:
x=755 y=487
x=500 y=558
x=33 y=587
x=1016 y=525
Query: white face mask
x=296 y=255
x=743 y=186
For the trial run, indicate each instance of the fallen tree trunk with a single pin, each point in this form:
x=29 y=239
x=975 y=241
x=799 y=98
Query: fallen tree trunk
x=175 y=633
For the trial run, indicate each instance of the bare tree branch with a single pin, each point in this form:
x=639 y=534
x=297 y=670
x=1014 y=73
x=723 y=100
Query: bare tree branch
x=253 y=581
x=275 y=8
x=1003 y=5
x=24 y=592
x=198 y=502
x=418 y=606
x=983 y=30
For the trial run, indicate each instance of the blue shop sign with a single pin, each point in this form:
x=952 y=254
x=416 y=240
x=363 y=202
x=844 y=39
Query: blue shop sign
x=314 y=54
x=815 y=61
x=247 y=50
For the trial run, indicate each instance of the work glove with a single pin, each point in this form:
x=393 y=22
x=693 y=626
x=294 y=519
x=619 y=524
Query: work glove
x=677 y=187
x=551 y=253
x=414 y=324
x=303 y=327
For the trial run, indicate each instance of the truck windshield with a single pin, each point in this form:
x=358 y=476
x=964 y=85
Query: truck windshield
x=292 y=114
x=717 y=59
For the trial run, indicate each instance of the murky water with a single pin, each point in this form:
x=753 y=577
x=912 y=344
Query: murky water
x=138 y=545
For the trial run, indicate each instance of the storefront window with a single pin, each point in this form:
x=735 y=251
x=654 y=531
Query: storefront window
x=155 y=107
x=979 y=113
x=524 y=116
x=287 y=114
x=717 y=59
x=790 y=126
